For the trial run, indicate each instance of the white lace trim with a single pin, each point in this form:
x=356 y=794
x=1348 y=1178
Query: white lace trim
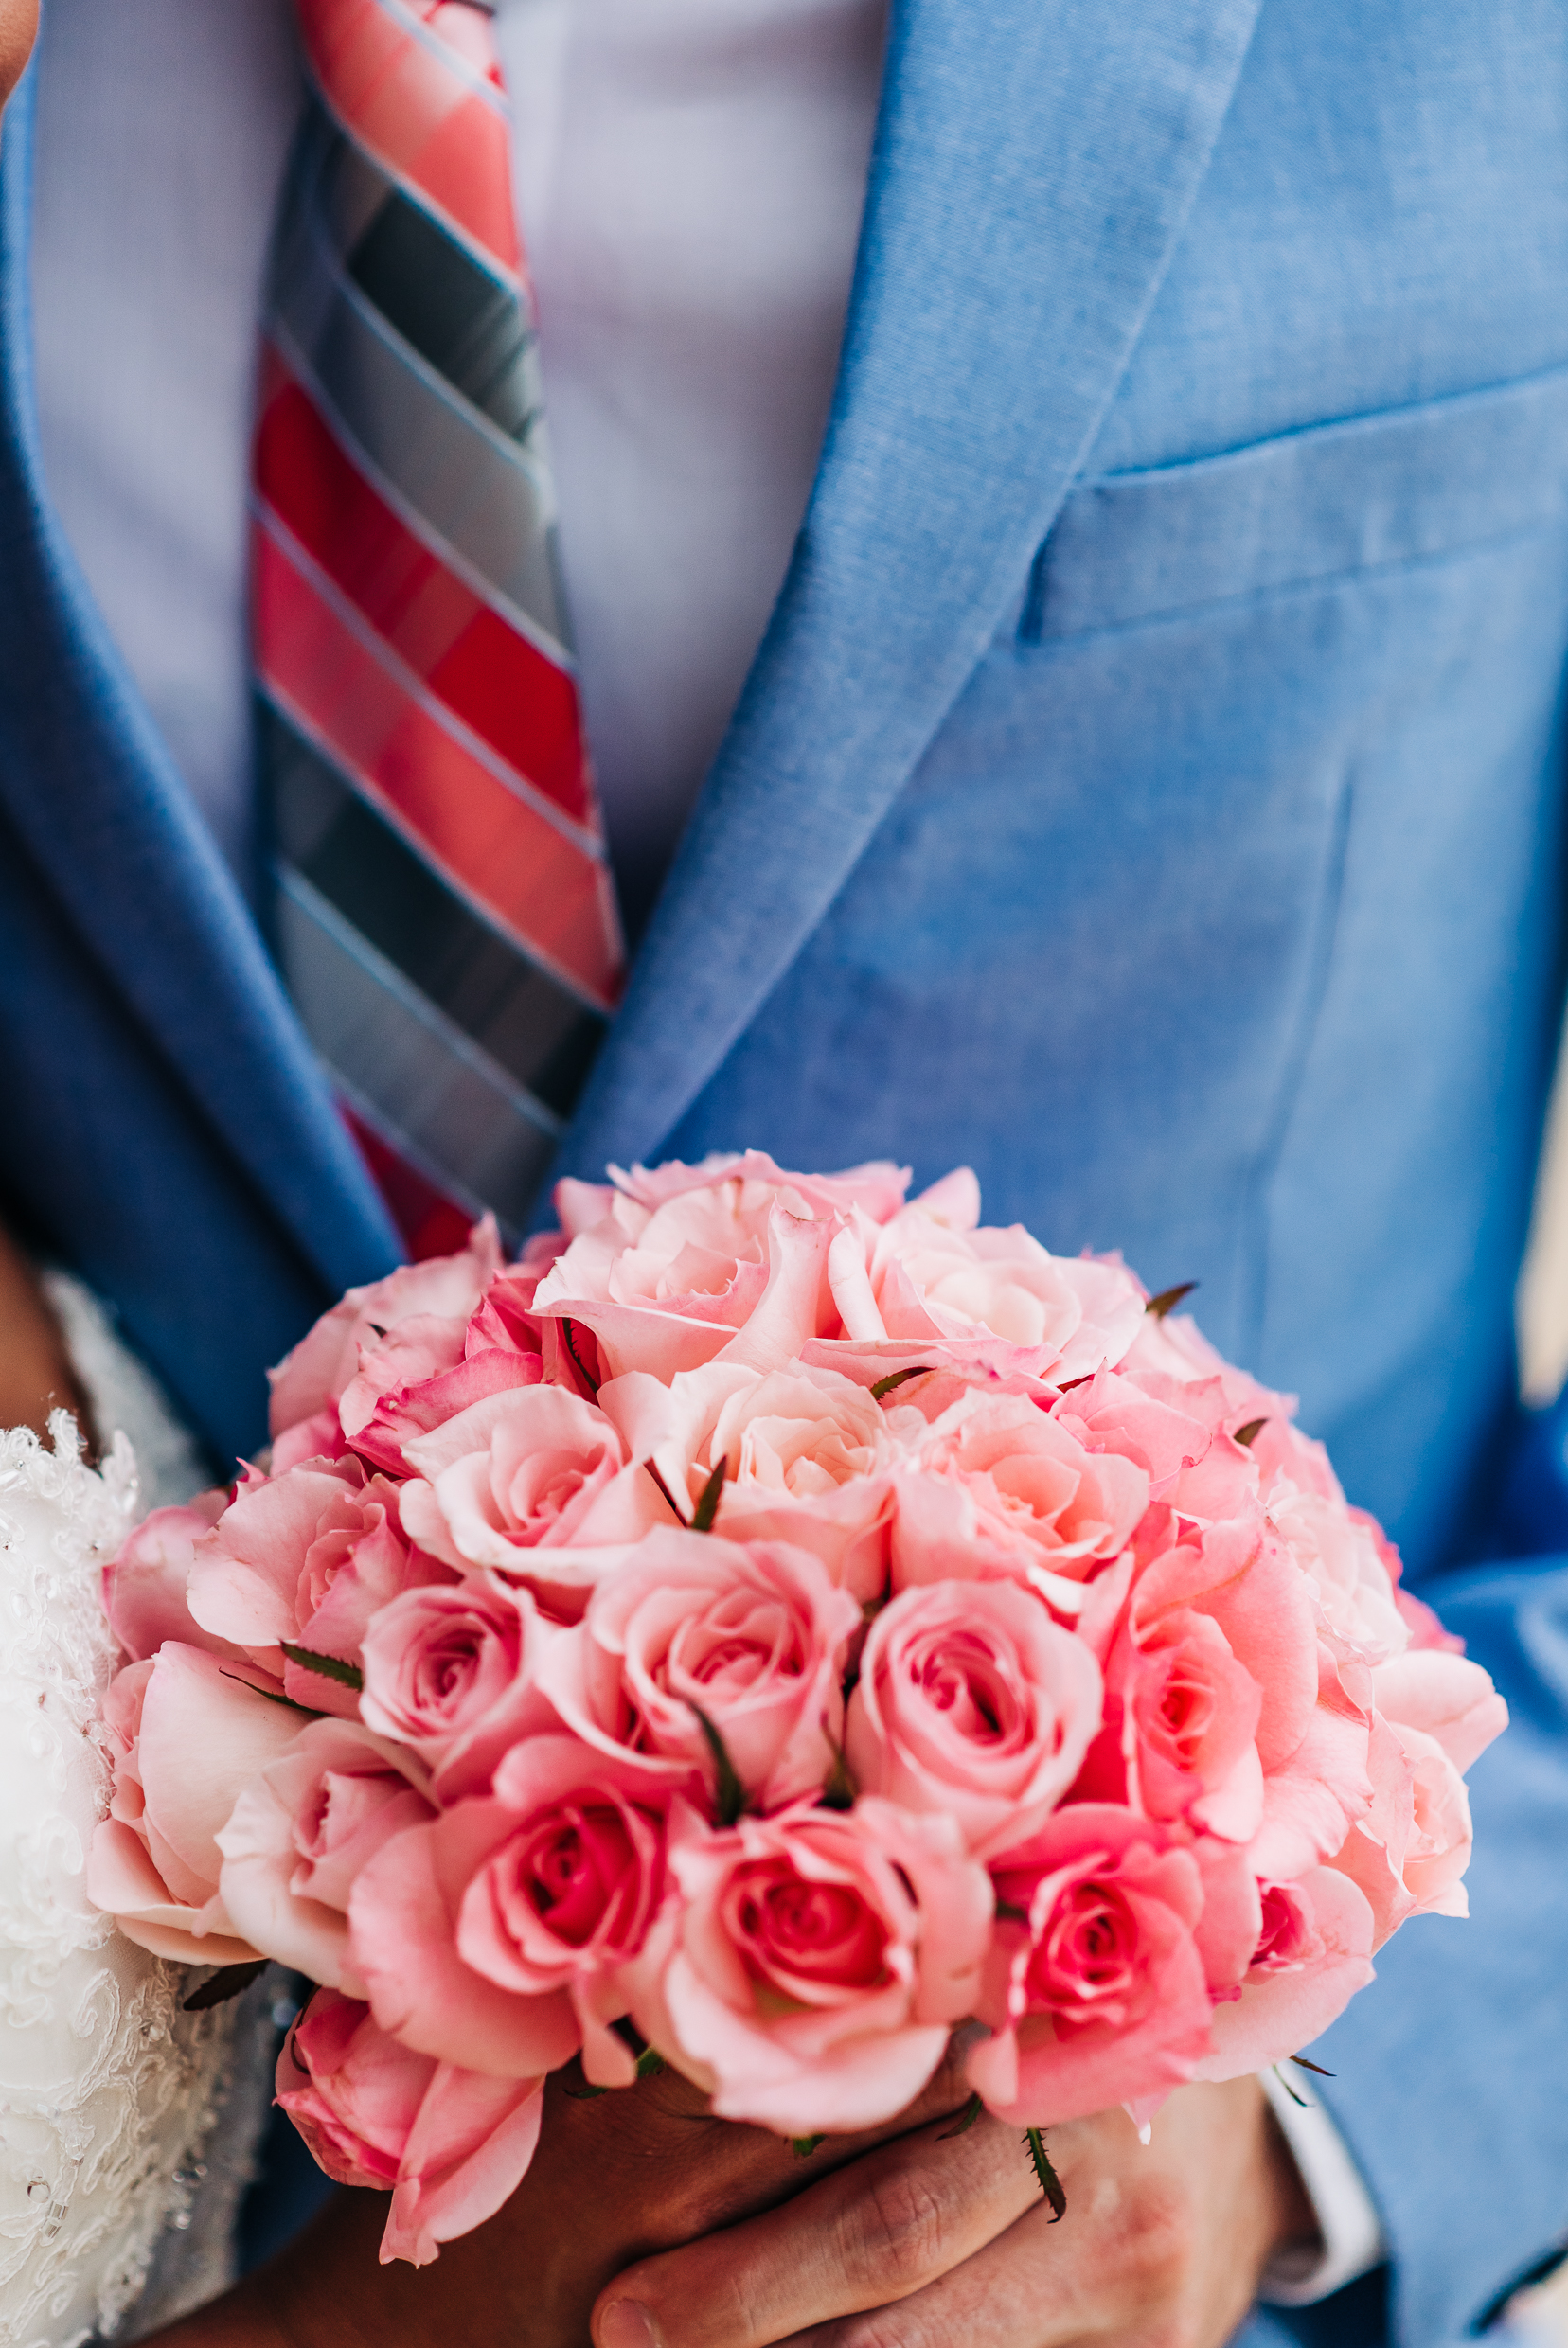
x=108 y=2089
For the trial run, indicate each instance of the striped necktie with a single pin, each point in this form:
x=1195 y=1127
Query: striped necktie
x=444 y=916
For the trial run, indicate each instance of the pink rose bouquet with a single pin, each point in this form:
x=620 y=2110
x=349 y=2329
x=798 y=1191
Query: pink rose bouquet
x=773 y=1622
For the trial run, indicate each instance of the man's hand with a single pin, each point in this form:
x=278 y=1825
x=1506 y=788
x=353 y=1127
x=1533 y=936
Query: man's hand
x=36 y=1375
x=934 y=2241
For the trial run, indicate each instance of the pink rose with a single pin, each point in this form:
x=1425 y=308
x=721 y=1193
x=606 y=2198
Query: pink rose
x=755 y=1637
x=535 y=1468
x=303 y=1561
x=920 y=1275
x=1095 y=1988
x=971 y=1702
x=1185 y=1712
x=451 y=1673
x=816 y=1961
x=665 y=1267
x=1338 y=1553
x=307 y=1384
x=494 y=1935
x=1410 y=1851
x=144 y=1583
x=185 y=1737
x=804 y=1451
x=451 y=2145
x=1313 y=1952
x=1433 y=1688
x=298 y=1834
x=1000 y=1487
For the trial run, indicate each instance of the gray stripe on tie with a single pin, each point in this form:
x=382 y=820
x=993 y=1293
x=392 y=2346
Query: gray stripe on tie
x=465 y=1119
x=510 y=1006
x=479 y=490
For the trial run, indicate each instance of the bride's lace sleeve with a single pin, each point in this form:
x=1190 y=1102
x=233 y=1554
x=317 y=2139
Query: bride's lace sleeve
x=110 y=2164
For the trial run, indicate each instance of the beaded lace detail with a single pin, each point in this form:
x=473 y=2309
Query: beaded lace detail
x=108 y=2089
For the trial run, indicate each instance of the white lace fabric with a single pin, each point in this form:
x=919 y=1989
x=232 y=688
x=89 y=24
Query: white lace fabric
x=117 y=2193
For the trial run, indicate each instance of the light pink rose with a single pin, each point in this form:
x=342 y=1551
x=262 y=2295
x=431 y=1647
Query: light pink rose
x=666 y=1267
x=998 y=1486
x=535 y=1468
x=815 y=1963
x=451 y=2146
x=805 y=1454
x=1095 y=1988
x=1335 y=1550
x=920 y=1276
x=1433 y=1689
x=298 y=1834
x=307 y=1384
x=753 y=1636
x=303 y=1561
x=493 y=1936
x=453 y=1673
x=1314 y=1951
x=973 y=1703
x=1409 y=1853
x=185 y=1737
x=144 y=1583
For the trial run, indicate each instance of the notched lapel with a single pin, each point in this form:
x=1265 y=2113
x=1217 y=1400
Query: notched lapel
x=1033 y=167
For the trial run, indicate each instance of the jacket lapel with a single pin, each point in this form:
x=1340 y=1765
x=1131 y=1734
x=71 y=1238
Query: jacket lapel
x=1033 y=168
x=89 y=788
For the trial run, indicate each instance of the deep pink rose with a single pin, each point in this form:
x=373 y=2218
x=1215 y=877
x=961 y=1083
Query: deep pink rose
x=1313 y=1952
x=451 y=2145
x=307 y=1384
x=453 y=1673
x=1095 y=1987
x=755 y=1638
x=304 y=1560
x=493 y=1936
x=187 y=1737
x=298 y=1834
x=805 y=1452
x=971 y=1702
x=815 y=1963
x=535 y=1468
x=144 y=1583
x=998 y=1486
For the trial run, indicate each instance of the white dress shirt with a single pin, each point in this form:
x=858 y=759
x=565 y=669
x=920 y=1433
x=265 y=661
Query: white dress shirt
x=690 y=175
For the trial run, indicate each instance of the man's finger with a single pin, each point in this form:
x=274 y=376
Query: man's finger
x=883 y=2226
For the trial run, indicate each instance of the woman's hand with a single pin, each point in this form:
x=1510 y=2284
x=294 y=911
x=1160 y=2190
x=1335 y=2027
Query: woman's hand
x=36 y=1375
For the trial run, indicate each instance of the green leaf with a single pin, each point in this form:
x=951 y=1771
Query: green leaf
x=330 y=1666
x=570 y=1335
x=649 y=2063
x=966 y=2120
x=1008 y=1912
x=732 y=1794
x=230 y=1980
x=1050 y=2183
x=669 y=1495
x=584 y=2094
x=885 y=1385
x=1289 y=2089
x=839 y=1792
x=1168 y=1299
x=1249 y=1433
x=803 y=2146
x=707 y=1500
x=272 y=1696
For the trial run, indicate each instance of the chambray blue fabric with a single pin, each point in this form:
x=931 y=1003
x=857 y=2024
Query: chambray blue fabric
x=1151 y=787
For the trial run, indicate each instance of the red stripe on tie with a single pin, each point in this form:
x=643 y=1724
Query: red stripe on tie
x=550 y=894
x=416 y=115
x=486 y=671
x=430 y=1223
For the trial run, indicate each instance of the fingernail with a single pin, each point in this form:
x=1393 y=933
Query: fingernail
x=626 y=2324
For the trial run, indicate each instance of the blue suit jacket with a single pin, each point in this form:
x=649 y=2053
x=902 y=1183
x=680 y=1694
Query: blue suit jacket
x=1149 y=789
